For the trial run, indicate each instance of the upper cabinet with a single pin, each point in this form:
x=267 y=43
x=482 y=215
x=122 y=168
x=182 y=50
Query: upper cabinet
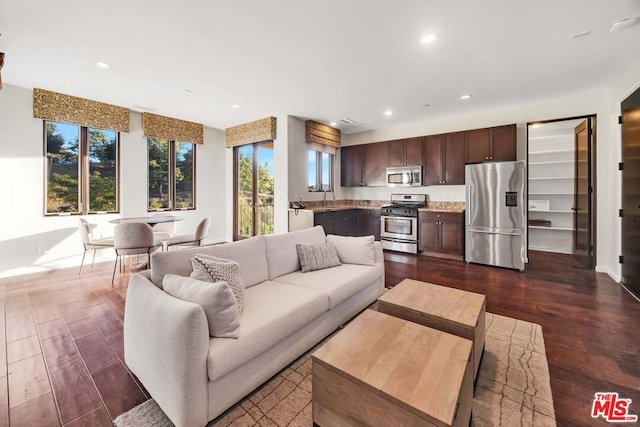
x=406 y=152
x=364 y=165
x=444 y=157
x=495 y=144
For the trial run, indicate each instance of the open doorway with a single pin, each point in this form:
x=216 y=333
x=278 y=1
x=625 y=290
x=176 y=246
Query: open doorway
x=561 y=187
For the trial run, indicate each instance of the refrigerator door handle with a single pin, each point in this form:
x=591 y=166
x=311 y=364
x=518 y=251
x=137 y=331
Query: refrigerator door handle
x=467 y=210
x=494 y=232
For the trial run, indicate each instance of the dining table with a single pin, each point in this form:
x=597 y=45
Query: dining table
x=152 y=220
x=149 y=219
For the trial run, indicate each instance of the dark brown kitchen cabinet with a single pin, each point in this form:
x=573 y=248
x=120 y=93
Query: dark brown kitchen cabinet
x=325 y=219
x=375 y=164
x=495 y=144
x=345 y=222
x=444 y=157
x=364 y=165
x=406 y=152
x=441 y=234
x=369 y=222
x=351 y=163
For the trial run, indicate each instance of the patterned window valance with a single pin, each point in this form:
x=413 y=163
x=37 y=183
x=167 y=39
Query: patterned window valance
x=248 y=133
x=78 y=111
x=323 y=134
x=168 y=128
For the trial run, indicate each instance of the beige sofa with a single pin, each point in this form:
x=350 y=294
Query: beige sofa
x=193 y=377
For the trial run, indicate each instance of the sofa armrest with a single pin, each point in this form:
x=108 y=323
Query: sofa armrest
x=377 y=247
x=166 y=341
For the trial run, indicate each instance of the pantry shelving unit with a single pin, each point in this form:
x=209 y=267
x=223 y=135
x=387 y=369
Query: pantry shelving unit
x=551 y=191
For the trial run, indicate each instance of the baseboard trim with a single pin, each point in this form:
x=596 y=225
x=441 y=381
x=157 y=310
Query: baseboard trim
x=609 y=271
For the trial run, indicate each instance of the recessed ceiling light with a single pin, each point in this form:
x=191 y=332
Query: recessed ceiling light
x=582 y=34
x=465 y=97
x=429 y=38
x=388 y=113
x=235 y=106
x=623 y=23
x=333 y=123
x=103 y=65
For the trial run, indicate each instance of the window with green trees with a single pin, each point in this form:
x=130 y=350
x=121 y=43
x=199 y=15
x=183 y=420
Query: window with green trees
x=171 y=183
x=81 y=169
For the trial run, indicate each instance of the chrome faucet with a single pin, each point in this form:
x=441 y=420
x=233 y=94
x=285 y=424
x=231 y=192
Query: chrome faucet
x=324 y=197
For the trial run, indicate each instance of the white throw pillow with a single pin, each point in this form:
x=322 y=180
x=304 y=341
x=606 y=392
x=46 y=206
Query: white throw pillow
x=354 y=250
x=317 y=257
x=209 y=268
x=217 y=300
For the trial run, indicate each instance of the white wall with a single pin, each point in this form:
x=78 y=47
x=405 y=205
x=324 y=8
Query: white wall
x=25 y=227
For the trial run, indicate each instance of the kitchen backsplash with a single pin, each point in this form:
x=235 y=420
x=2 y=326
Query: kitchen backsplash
x=377 y=204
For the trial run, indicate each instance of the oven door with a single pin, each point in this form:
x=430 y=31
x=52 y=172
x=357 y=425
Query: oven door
x=397 y=227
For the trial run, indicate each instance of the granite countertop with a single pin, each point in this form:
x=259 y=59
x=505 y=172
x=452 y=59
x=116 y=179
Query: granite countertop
x=341 y=205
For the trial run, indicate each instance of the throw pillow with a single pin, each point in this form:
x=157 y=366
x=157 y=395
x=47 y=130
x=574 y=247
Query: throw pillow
x=216 y=299
x=354 y=250
x=213 y=269
x=317 y=257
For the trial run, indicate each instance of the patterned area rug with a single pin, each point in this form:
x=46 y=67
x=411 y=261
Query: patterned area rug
x=512 y=388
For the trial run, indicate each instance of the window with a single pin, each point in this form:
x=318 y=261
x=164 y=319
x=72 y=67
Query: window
x=170 y=175
x=81 y=169
x=320 y=165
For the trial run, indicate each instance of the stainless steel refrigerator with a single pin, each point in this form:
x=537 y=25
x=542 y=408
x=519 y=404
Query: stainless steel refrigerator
x=496 y=214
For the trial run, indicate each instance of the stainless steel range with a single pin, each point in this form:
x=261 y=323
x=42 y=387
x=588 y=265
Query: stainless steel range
x=399 y=222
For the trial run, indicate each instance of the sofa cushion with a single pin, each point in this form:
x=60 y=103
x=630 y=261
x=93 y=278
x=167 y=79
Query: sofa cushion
x=339 y=283
x=354 y=250
x=209 y=268
x=216 y=299
x=250 y=254
x=317 y=257
x=272 y=312
x=282 y=256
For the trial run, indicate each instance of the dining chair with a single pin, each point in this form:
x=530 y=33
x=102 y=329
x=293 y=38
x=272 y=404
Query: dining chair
x=164 y=230
x=133 y=238
x=196 y=239
x=92 y=240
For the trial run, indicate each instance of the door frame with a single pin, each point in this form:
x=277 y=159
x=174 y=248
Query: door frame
x=255 y=189
x=592 y=119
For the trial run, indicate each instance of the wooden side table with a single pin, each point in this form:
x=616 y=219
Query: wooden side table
x=450 y=310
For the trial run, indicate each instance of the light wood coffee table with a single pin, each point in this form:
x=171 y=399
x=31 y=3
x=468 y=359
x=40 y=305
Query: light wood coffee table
x=384 y=371
x=450 y=310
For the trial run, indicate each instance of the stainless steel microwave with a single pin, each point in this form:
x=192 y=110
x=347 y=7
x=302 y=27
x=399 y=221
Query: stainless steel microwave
x=404 y=176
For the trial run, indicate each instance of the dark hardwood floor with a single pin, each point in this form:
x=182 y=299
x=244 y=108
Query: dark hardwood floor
x=61 y=342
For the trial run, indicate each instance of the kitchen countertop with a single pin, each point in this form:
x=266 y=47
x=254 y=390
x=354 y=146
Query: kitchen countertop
x=341 y=205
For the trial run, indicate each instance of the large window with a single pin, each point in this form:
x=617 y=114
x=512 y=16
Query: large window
x=81 y=169
x=320 y=167
x=171 y=184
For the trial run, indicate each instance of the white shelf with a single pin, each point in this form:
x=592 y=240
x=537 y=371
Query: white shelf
x=551 y=249
x=567 y=150
x=541 y=227
x=551 y=162
x=551 y=194
x=549 y=177
x=552 y=210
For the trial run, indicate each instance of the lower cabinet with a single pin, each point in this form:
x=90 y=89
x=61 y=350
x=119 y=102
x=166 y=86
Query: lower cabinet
x=369 y=222
x=441 y=234
x=350 y=222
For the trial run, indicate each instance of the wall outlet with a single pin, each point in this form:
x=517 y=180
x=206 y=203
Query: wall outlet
x=42 y=249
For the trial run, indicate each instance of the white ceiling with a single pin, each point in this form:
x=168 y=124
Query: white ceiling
x=323 y=60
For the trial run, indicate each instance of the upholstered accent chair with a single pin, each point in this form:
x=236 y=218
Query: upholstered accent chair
x=133 y=238
x=196 y=239
x=92 y=240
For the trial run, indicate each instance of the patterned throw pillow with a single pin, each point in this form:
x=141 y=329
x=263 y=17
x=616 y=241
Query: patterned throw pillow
x=317 y=257
x=213 y=269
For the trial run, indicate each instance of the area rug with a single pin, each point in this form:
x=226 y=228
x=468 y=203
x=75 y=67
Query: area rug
x=512 y=388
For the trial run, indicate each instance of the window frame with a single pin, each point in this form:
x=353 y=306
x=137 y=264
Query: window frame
x=171 y=185
x=319 y=175
x=83 y=171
